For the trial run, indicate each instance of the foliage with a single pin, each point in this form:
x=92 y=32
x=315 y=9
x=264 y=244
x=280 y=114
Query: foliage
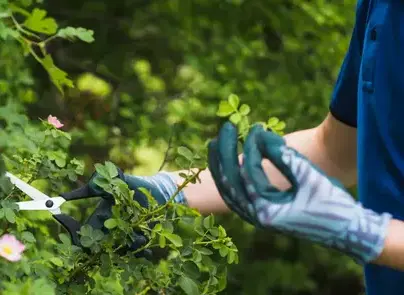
x=197 y=249
x=147 y=90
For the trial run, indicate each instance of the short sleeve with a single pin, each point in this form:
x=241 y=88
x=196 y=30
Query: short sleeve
x=344 y=101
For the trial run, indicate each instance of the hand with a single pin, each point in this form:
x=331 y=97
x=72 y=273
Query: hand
x=316 y=207
x=161 y=186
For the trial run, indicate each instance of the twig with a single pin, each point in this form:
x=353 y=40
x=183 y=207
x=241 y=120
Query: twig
x=170 y=140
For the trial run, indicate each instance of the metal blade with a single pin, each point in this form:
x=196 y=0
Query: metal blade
x=51 y=204
x=32 y=192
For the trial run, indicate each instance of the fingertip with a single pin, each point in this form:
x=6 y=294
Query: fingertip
x=270 y=147
x=271 y=138
x=228 y=131
x=229 y=125
x=257 y=127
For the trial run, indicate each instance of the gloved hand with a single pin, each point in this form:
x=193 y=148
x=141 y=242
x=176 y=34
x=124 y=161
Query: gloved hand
x=161 y=186
x=316 y=207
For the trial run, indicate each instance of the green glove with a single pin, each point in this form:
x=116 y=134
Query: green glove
x=316 y=207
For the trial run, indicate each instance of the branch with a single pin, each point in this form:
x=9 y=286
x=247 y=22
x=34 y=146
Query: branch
x=170 y=140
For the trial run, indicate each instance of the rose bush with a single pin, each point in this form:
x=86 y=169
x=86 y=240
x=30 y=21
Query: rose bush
x=39 y=257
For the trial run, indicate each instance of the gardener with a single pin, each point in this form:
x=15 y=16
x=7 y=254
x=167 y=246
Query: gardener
x=361 y=140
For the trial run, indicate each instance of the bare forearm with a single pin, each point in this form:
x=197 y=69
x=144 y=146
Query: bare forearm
x=393 y=252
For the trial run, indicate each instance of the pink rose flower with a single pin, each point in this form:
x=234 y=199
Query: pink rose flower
x=11 y=248
x=55 y=122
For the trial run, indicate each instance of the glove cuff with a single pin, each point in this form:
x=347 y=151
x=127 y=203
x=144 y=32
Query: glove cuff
x=167 y=185
x=366 y=235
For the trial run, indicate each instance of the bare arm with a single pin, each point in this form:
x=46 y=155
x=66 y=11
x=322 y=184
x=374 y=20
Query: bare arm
x=393 y=251
x=331 y=146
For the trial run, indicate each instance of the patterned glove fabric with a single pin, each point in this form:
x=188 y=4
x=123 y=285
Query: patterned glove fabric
x=316 y=207
x=161 y=186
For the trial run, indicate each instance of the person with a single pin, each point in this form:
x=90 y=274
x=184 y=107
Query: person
x=295 y=184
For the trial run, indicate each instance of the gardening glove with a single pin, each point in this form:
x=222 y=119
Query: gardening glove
x=161 y=186
x=316 y=207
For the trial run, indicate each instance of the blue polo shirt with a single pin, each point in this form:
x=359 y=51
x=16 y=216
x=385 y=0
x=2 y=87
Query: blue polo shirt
x=369 y=95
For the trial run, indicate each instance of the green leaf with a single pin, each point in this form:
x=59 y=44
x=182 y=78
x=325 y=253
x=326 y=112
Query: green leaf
x=196 y=256
x=180 y=210
x=185 y=152
x=222 y=280
x=272 y=122
x=38 y=22
x=97 y=235
x=111 y=168
x=86 y=241
x=187 y=251
x=162 y=241
x=223 y=251
x=183 y=175
x=214 y=232
x=182 y=162
x=59 y=157
x=58 y=77
x=105 y=265
x=235 y=118
x=158 y=227
x=28 y=237
x=86 y=230
x=6 y=32
x=188 y=286
x=167 y=226
x=110 y=223
x=244 y=110
x=102 y=170
x=9 y=214
x=225 y=109
x=280 y=126
x=175 y=239
x=205 y=251
x=102 y=182
x=57 y=261
x=208 y=222
x=65 y=239
x=191 y=269
x=243 y=126
x=234 y=101
x=222 y=232
x=231 y=257
x=42 y=286
x=76 y=33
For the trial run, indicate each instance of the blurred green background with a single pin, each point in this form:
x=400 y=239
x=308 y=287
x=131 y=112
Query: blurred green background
x=155 y=75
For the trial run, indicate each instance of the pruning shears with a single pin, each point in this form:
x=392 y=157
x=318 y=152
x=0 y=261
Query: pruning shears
x=41 y=201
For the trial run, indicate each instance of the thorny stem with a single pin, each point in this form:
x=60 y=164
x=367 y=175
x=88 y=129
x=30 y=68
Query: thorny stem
x=148 y=245
x=179 y=189
x=82 y=267
x=35 y=55
x=143 y=292
x=182 y=186
x=170 y=140
x=208 y=242
x=20 y=28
